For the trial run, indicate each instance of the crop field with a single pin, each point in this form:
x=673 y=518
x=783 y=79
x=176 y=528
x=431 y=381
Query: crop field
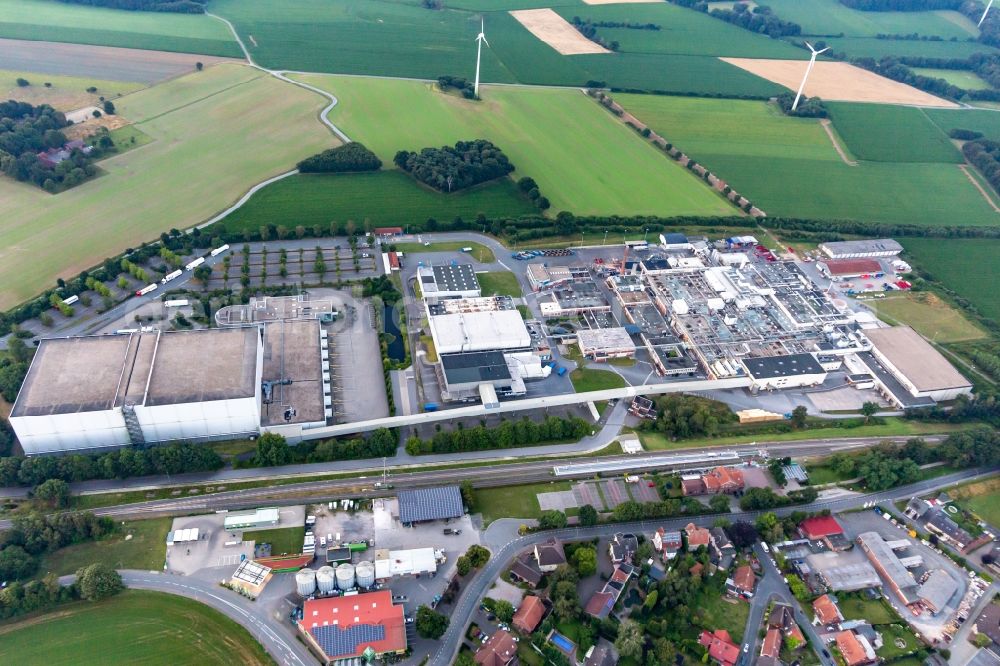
x=66 y=92
x=561 y=138
x=49 y=20
x=788 y=166
x=956 y=77
x=160 y=629
x=861 y=47
x=386 y=198
x=986 y=122
x=951 y=262
x=829 y=17
x=884 y=133
x=930 y=316
x=200 y=161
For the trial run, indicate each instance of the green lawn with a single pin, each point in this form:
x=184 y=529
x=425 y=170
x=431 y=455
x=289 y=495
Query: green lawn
x=928 y=315
x=956 y=77
x=514 y=501
x=949 y=261
x=145 y=550
x=214 y=134
x=561 y=138
x=499 y=283
x=856 y=607
x=789 y=167
x=160 y=629
x=589 y=379
x=892 y=133
x=979 y=120
x=722 y=613
x=66 y=93
x=129 y=137
x=829 y=17
x=385 y=198
x=61 y=22
x=571 y=629
x=480 y=252
x=890 y=633
x=283 y=540
x=985 y=506
x=820 y=474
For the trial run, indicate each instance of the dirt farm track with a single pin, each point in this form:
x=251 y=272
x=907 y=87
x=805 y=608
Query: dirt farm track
x=104 y=62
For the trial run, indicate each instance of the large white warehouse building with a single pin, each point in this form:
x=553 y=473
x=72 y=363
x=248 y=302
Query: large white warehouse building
x=138 y=388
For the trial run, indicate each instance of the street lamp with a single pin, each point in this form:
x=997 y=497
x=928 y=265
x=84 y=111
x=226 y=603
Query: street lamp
x=645 y=232
x=605 y=237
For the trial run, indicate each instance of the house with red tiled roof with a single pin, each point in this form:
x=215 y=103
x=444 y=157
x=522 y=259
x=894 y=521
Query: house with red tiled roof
x=743 y=582
x=692 y=485
x=529 y=615
x=697 y=536
x=349 y=627
x=855 y=650
x=826 y=611
x=721 y=648
x=726 y=480
x=772 y=644
x=499 y=650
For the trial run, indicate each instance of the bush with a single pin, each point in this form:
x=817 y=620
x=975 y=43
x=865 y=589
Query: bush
x=23 y=83
x=349 y=157
x=809 y=107
x=449 y=169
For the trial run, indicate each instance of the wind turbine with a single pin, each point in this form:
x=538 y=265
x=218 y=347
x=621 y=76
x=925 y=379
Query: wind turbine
x=480 y=38
x=985 y=12
x=812 y=61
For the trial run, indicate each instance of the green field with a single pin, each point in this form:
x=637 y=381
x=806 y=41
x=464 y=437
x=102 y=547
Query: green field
x=145 y=550
x=829 y=17
x=789 y=167
x=589 y=379
x=861 y=47
x=561 y=138
x=56 y=21
x=884 y=133
x=480 y=252
x=928 y=315
x=283 y=540
x=201 y=160
x=500 y=283
x=514 y=501
x=969 y=267
x=135 y=627
x=386 y=198
x=956 y=77
x=979 y=120
x=66 y=93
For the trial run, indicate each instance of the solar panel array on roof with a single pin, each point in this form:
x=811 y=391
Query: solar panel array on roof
x=430 y=504
x=338 y=642
x=460 y=277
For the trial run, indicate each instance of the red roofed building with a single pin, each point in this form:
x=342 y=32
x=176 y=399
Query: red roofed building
x=720 y=646
x=825 y=529
x=388 y=231
x=723 y=480
x=827 y=611
x=849 y=267
x=499 y=650
x=528 y=616
x=854 y=649
x=692 y=485
x=772 y=644
x=346 y=627
x=743 y=581
x=697 y=536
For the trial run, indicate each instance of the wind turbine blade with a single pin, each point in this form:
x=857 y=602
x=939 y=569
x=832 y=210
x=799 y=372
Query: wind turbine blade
x=810 y=47
x=823 y=51
x=487 y=43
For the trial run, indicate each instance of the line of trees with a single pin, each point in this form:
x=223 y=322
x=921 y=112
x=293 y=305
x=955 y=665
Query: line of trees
x=507 y=435
x=984 y=154
x=33 y=535
x=273 y=450
x=174 y=6
x=93 y=583
x=449 y=169
x=350 y=157
x=761 y=19
x=589 y=30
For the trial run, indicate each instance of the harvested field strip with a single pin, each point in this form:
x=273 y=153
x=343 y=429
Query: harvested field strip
x=66 y=92
x=556 y=31
x=968 y=170
x=825 y=122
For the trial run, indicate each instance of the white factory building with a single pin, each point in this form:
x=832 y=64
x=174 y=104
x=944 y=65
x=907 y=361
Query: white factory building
x=139 y=388
x=860 y=249
x=915 y=364
x=479 y=331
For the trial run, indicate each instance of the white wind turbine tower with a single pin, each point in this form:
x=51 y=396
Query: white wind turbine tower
x=812 y=61
x=985 y=12
x=480 y=38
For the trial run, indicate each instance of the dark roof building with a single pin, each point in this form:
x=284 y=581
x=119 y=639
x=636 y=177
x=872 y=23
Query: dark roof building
x=474 y=368
x=602 y=654
x=791 y=365
x=525 y=569
x=601 y=603
x=947 y=528
x=550 y=554
x=623 y=547
x=425 y=504
x=988 y=623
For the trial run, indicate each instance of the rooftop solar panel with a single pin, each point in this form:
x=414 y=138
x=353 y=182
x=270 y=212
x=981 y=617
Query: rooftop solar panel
x=337 y=641
x=430 y=504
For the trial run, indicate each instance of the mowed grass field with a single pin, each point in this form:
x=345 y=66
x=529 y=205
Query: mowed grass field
x=979 y=120
x=956 y=77
x=50 y=20
x=135 y=627
x=582 y=157
x=928 y=315
x=969 y=267
x=66 y=92
x=789 y=167
x=215 y=133
x=861 y=47
x=830 y=17
x=146 y=549
x=890 y=133
x=386 y=198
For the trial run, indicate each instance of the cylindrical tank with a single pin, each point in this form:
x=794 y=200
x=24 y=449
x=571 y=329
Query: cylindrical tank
x=365 y=573
x=326 y=580
x=305 y=582
x=345 y=576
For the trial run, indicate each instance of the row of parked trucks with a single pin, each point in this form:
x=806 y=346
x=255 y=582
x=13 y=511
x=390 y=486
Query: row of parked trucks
x=176 y=274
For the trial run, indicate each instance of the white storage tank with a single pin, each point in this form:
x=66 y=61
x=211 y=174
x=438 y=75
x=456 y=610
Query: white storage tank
x=345 y=576
x=305 y=582
x=326 y=580
x=365 y=573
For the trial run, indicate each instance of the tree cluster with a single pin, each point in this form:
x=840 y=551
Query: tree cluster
x=174 y=6
x=760 y=19
x=589 y=30
x=459 y=83
x=528 y=185
x=449 y=169
x=681 y=416
x=431 y=624
x=350 y=157
x=25 y=131
x=509 y=434
x=809 y=107
x=984 y=154
x=474 y=558
x=274 y=451
x=34 y=535
x=120 y=464
x=762 y=499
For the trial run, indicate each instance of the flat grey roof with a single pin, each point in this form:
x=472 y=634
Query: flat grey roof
x=863 y=246
x=791 y=365
x=475 y=367
x=96 y=373
x=880 y=551
x=938 y=589
x=907 y=399
x=605 y=338
x=915 y=358
x=292 y=352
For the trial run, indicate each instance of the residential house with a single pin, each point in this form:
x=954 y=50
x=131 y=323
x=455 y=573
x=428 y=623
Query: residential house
x=499 y=650
x=54 y=156
x=697 y=537
x=742 y=583
x=721 y=648
x=722 y=548
x=529 y=615
x=726 y=480
x=623 y=548
x=692 y=485
x=668 y=544
x=525 y=569
x=988 y=623
x=642 y=407
x=772 y=644
x=826 y=611
x=782 y=617
x=769 y=661
x=992 y=559
x=825 y=529
x=601 y=654
x=600 y=604
x=947 y=529
x=855 y=649
x=550 y=555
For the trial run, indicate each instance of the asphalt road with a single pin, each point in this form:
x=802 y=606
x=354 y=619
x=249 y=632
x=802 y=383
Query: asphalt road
x=476 y=589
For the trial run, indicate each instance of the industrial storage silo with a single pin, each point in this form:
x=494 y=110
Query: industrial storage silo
x=326 y=579
x=365 y=573
x=305 y=582
x=345 y=576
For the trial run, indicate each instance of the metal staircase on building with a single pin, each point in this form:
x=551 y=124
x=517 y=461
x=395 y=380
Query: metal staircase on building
x=132 y=424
